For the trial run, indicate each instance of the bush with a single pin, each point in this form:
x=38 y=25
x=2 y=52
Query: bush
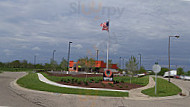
x=120 y=87
x=90 y=81
x=97 y=81
x=79 y=82
x=115 y=81
x=76 y=80
x=122 y=81
x=65 y=80
x=103 y=85
x=62 y=79
x=85 y=82
x=111 y=84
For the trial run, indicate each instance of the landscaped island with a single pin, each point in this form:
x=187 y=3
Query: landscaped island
x=95 y=81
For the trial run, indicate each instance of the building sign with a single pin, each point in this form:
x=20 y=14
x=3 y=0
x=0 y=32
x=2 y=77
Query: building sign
x=108 y=75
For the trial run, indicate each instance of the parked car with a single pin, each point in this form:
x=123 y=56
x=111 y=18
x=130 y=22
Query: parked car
x=141 y=75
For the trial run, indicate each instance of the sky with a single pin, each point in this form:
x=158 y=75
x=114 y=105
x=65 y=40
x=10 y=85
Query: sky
x=31 y=28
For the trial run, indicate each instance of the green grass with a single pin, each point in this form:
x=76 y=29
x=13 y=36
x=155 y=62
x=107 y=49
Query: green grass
x=140 y=81
x=31 y=81
x=16 y=69
x=163 y=89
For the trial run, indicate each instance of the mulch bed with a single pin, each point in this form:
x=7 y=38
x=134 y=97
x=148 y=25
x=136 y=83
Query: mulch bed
x=77 y=75
x=117 y=86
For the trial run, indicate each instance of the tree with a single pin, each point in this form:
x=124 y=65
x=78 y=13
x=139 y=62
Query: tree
x=63 y=64
x=24 y=64
x=15 y=64
x=132 y=65
x=142 y=70
x=87 y=63
x=188 y=73
x=180 y=71
x=53 y=64
x=163 y=70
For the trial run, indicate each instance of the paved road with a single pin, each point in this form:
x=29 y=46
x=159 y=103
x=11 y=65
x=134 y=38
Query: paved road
x=17 y=97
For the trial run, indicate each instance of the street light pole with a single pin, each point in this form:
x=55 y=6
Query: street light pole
x=169 y=56
x=120 y=63
x=97 y=54
x=68 y=56
x=140 y=60
x=53 y=54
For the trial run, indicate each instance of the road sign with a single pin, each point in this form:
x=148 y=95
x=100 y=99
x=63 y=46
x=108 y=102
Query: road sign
x=156 y=68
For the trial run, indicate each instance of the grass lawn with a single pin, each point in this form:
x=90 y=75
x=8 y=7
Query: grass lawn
x=16 y=69
x=163 y=89
x=31 y=81
x=140 y=81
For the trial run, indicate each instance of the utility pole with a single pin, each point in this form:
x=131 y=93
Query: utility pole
x=169 y=56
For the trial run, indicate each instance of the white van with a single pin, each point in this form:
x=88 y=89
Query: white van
x=172 y=73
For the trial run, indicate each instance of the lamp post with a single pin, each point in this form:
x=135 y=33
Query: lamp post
x=68 y=56
x=140 y=60
x=97 y=54
x=120 y=62
x=169 y=56
x=53 y=54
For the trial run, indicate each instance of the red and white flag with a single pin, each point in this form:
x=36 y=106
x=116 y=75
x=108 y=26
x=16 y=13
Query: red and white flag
x=105 y=26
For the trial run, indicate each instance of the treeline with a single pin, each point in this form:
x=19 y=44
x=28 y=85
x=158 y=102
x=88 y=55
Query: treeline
x=19 y=65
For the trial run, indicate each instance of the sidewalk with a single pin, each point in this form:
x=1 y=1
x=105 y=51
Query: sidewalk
x=136 y=93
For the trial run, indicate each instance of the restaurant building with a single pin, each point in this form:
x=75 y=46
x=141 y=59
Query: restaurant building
x=98 y=66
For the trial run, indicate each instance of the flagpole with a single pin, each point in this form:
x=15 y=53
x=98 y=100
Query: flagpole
x=108 y=50
x=108 y=42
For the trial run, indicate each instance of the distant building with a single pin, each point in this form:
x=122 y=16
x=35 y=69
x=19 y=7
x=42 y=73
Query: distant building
x=99 y=66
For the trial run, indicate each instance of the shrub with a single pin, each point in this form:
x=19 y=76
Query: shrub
x=126 y=86
x=97 y=81
x=76 y=80
x=65 y=80
x=62 y=79
x=90 y=81
x=120 y=87
x=111 y=84
x=85 y=82
x=103 y=85
x=79 y=82
x=122 y=81
x=116 y=81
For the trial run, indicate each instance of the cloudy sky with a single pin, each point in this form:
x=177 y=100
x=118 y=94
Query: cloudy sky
x=37 y=27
